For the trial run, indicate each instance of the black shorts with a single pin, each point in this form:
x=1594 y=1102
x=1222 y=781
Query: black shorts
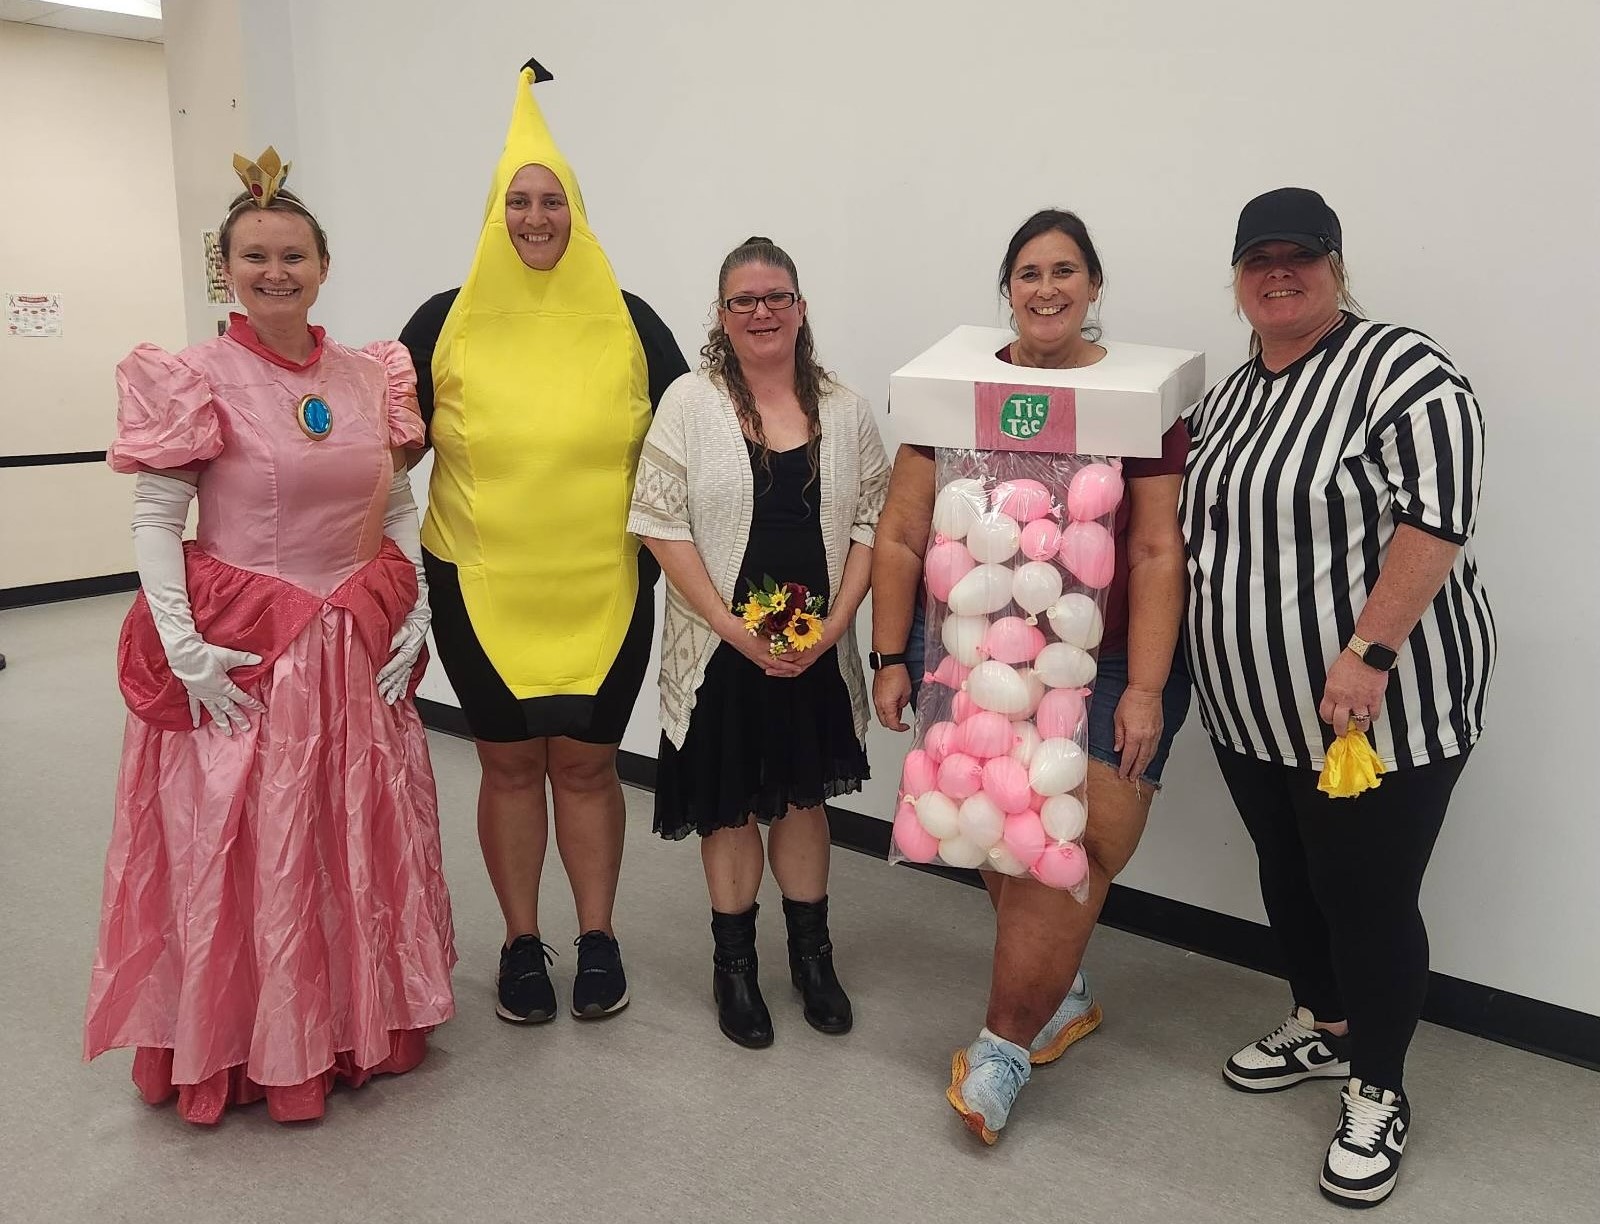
x=494 y=714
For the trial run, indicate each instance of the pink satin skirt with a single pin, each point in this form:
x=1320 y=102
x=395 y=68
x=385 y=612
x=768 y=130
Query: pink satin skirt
x=275 y=915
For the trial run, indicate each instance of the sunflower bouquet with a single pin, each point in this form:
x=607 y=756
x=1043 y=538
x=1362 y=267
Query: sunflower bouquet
x=786 y=614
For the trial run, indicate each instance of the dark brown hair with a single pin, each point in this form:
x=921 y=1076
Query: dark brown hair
x=284 y=201
x=1062 y=222
x=722 y=363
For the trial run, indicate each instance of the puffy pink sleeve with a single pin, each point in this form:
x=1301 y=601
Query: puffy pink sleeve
x=405 y=418
x=165 y=415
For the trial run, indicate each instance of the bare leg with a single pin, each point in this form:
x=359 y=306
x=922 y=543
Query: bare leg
x=513 y=828
x=1042 y=932
x=589 y=826
x=733 y=864
x=798 y=847
x=995 y=883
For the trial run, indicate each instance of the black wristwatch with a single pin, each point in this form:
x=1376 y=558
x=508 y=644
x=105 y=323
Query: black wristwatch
x=880 y=661
x=1374 y=654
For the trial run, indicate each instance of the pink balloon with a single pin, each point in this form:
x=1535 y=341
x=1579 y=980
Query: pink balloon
x=1012 y=640
x=1060 y=713
x=1023 y=500
x=1089 y=553
x=960 y=775
x=1024 y=836
x=951 y=672
x=986 y=734
x=963 y=708
x=940 y=741
x=1006 y=782
x=1063 y=866
x=913 y=841
x=919 y=775
x=1094 y=492
x=946 y=564
x=1041 y=539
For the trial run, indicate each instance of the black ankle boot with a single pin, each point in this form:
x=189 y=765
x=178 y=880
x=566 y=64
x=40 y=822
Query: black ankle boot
x=742 y=1013
x=827 y=1007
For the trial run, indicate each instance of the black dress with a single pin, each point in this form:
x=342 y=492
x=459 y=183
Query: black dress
x=758 y=744
x=493 y=714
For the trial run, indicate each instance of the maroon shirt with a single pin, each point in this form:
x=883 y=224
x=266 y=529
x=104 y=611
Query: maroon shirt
x=1174 y=451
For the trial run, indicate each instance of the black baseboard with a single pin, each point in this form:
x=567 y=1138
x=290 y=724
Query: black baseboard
x=75 y=588
x=1514 y=1020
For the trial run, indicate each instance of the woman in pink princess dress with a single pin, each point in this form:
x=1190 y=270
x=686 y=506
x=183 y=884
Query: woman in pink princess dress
x=275 y=915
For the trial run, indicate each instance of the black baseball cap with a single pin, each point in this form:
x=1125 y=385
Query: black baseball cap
x=1289 y=214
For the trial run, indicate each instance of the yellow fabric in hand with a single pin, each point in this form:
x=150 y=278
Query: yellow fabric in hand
x=541 y=398
x=1351 y=766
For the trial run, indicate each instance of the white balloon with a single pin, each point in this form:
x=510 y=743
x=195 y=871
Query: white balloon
x=959 y=852
x=1003 y=861
x=983 y=589
x=1058 y=766
x=1063 y=665
x=962 y=636
x=981 y=820
x=1035 y=586
x=1076 y=619
x=937 y=814
x=994 y=537
x=1063 y=817
x=1035 y=691
x=957 y=507
x=1028 y=741
x=999 y=687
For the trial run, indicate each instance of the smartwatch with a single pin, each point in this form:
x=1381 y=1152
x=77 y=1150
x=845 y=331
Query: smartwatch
x=1374 y=654
x=880 y=661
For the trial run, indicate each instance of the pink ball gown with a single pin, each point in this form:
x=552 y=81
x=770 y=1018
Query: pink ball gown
x=275 y=916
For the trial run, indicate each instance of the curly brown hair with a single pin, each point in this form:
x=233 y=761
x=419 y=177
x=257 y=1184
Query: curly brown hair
x=719 y=360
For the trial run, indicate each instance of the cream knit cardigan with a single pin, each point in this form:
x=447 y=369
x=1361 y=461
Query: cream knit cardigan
x=694 y=483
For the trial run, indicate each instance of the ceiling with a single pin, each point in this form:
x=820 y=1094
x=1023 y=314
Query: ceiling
x=87 y=20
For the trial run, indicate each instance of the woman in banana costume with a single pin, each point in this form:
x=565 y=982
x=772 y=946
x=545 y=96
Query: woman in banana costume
x=537 y=379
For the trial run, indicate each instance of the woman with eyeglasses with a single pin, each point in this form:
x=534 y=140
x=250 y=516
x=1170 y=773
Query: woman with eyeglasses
x=761 y=466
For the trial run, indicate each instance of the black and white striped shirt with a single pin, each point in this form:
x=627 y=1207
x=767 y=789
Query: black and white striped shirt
x=1293 y=489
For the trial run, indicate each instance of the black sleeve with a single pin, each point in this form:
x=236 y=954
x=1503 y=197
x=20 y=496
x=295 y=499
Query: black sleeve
x=661 y=352
x=420 y=335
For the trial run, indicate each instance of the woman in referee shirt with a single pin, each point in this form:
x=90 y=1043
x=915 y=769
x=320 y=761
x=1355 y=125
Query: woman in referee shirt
x=1327 y=506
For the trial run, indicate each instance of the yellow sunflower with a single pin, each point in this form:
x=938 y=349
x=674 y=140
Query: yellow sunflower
x=804 y=631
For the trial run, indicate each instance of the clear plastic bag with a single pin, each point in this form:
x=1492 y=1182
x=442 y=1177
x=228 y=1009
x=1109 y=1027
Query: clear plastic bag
x=1015 y=574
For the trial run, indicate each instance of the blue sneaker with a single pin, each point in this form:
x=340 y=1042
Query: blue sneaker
x=984 y=1081
x=1078 y=1016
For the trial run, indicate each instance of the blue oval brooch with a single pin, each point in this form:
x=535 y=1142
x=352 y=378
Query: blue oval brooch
x=315 y=417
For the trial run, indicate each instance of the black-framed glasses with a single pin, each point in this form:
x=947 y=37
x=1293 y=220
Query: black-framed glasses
x=746 y=303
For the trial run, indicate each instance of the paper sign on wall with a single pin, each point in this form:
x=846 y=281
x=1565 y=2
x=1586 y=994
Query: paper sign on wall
x=33 y=315
x=217 y=291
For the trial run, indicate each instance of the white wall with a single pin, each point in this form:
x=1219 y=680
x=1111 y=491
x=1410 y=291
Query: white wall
x=87 y=211
x=892 y=148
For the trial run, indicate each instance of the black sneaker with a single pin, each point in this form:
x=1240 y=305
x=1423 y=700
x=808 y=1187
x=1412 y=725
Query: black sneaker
x=1364 y=1159
x=523 y=989
x=1293 y=1052
x=601 y=987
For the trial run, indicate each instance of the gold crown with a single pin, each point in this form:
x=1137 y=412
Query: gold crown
x=262 y=178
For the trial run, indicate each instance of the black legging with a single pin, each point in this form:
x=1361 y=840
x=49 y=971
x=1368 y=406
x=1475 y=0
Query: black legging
x=1340 y=880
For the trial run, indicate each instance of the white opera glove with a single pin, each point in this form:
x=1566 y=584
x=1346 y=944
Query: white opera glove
x=400 y=525
x=160 y=509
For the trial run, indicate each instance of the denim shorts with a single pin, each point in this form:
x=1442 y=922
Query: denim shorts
x=1111 y=681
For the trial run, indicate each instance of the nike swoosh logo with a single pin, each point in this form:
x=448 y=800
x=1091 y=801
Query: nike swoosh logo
x=1317 y=1055
x=1396 y=1142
